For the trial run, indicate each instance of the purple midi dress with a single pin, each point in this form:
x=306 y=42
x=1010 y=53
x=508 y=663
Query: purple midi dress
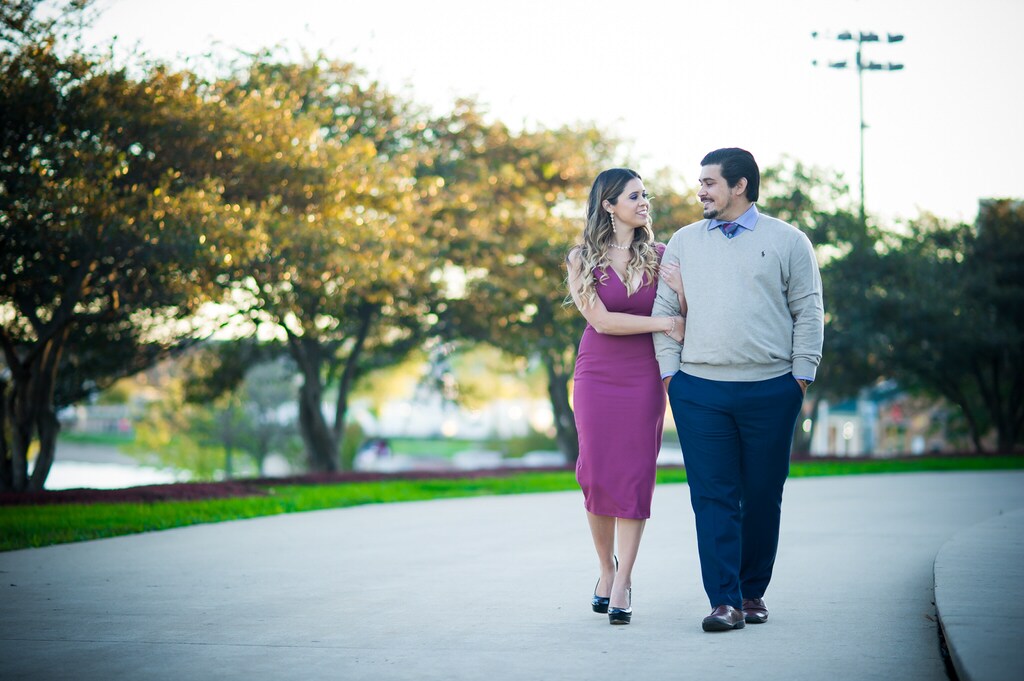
x=619 y=404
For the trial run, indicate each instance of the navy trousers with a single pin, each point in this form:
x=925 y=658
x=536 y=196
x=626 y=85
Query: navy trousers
x=736 y=439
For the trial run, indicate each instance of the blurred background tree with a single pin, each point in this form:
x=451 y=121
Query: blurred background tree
x=946 y=310
x=514 y=210
x=215 y=407
x=102 y=183
x=318 y=166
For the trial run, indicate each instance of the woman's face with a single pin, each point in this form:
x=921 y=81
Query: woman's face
x=632 y=208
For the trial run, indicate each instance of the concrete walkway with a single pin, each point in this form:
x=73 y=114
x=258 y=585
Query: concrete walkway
x=499 y=588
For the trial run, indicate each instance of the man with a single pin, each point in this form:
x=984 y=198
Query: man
x=754 y=332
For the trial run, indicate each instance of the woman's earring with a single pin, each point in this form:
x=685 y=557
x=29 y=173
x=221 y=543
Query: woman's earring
x=611 y=216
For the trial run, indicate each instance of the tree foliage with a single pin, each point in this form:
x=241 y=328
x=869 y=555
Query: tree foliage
x=935 y=306
x=101 y=184
x=213 y=409
x=513 y=211
x=946 y=304
x=321 y=166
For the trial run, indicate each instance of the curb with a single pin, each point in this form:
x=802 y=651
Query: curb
x=979 y=574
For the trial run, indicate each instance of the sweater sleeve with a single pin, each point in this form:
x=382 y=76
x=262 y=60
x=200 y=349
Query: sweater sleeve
x=807 y=308
x=666 y=304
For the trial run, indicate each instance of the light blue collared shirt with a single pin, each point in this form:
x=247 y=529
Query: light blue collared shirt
x=746 y=221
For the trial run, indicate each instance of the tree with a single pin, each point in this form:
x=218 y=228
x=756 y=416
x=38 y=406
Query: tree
x=946 y=307
x=512 y=218
x=102 y=189
x=322 y=168
x=268 y=388
x=255 y=379
x=197 y=438
x=996 y=262
x=217 y=407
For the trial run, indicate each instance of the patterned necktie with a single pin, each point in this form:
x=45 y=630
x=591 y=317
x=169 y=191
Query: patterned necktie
x=729 y=228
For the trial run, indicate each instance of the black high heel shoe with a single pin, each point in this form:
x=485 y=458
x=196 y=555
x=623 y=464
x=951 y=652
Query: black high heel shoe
x=600 y=603
x=622 y=615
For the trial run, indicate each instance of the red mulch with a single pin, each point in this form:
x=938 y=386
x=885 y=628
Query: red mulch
x=201 y=491
x=182 y=491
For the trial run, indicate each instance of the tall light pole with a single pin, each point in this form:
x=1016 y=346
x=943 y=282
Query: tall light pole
x=861 y=66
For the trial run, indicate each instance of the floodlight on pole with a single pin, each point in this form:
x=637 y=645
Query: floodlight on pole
x=861 y=66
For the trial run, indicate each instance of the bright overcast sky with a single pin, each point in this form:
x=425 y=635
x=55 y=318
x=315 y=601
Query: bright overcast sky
x=677 y=77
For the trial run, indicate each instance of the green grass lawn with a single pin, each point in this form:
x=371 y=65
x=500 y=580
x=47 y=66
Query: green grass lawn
x=108 y=439
x=42 y=525
x=441 y=447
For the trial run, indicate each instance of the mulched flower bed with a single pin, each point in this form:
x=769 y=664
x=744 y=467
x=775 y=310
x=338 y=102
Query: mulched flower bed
x=181 y=491
x=201 y=491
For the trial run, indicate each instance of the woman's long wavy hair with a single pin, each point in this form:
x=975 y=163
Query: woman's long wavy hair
x=592 y=253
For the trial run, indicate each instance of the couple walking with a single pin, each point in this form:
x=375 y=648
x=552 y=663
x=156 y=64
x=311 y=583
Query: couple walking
x=744 y=291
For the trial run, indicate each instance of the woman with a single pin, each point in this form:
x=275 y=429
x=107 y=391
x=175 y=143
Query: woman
x=618 y=397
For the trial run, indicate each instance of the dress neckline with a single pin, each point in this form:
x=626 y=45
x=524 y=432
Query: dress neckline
x=617 y=276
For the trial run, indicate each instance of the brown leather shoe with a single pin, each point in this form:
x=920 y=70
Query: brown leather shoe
x=755 y=611
x=723 y=618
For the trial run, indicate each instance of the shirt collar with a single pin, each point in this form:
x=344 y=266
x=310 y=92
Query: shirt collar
x=746 y=221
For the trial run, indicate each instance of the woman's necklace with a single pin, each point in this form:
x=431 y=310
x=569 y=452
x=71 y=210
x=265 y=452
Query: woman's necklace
x=615 y=245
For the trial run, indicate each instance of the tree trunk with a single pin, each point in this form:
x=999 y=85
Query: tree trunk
x=226 y=433
x=565 y=422
x=29 y=413
x=367 y=315
x=972 y=422
x=321 y=446
x=49 y=428
x=1002 y=399
x=6 y=460
x=260 y=456
x=1008 y=430
x=953 y=391
x=229 y=467
x=45 y=416
x=1016 y=407
x=20 y=427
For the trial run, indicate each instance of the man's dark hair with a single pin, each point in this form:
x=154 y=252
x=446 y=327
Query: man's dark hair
x=737 y=163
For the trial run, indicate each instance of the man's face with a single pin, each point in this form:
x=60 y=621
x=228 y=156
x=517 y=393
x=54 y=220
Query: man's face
x=720 y=201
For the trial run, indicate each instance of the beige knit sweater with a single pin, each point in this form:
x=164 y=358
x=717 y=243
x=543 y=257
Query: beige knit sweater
x=755 y=303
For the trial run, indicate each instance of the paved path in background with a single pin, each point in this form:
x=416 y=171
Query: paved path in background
x=92 y=453
x=494 y=588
